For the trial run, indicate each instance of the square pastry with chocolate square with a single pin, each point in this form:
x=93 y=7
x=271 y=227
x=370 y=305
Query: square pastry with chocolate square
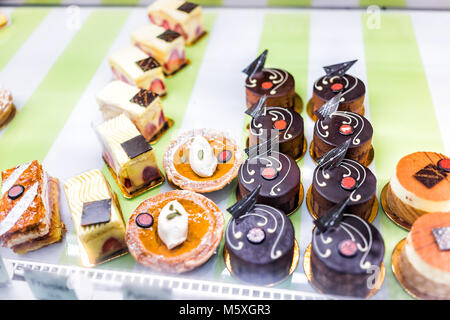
x=181 y=16
x=134 y=67
x=166 y=46
x=129 y=156
x=142 y=106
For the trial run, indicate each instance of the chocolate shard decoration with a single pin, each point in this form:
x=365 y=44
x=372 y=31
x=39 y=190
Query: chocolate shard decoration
x=169 y=35
x=338 y=69
x=334 y=157
x=136 y=146
x=148 y=64
x=333 y=217
x=187 y=7
x=262 y=148
x=329 y=107
x=144 y=97
x=96 y=212
x=245 y=205
x=442 y=237
x=430 y=175
x=257 y=65
x=255 y=110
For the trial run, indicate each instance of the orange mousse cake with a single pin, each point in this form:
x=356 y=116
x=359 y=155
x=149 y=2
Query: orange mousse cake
x=419 y=185
x=425 y=259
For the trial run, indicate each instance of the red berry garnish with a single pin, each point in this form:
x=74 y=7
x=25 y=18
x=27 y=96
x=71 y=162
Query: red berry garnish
x=144 y=220
x=280 y=124
x=336 y=87
x=16 y=191
x=266 y=85
x=345 y=129
x=347 y=248
x=444 y=164
x=269 y=173
x=256 y=235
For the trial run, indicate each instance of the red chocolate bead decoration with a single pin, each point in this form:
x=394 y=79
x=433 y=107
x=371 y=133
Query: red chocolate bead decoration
x=444 y=164
x=266 y=85
x=269 y=173
x=347 y=248
x=16 y=191
x=256 y=235
x=345 y=129
x=280 y=124
x=224 y=156
x=336 y=87
x=144 y=220
x=348 y=183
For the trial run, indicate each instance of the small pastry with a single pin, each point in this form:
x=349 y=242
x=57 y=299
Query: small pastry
x=424 y=262
x=3 y=20
x=7 y=109
x=420 y=184
x=285 y=122
x=129 y=155
x=337 y=81
x=175 y=231
x=277 y=84
x=203 y=160
x=166 y=46
x=29 y=208
x=180 y=16
x=143 y=107
x=96 y=216
x=334 y=127
x=260 y=241
x=277 y=173
x=347 y=254
x=336 y=178
x=134 y=67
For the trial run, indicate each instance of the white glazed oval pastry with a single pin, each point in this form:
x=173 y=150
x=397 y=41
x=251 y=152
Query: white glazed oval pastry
x=173 y=224
x=201 y=157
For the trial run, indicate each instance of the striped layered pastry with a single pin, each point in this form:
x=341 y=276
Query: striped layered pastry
x=128 y=154
x=424 y=262
x=133 y=66
x=29 y=208
x=166 y=46
x=420 y=184
x=142 y=106
x=181 y=16
x=96 y=216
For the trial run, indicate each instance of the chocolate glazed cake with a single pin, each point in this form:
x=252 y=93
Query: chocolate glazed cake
x=260 y=242
x=345 y=258
x=279 y=176
x=287 y=122
x=337 y=81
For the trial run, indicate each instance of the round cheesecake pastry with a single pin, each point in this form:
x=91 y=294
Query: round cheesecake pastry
x=279 y=177
x=277 y=84
x=331 y=186
x=6 y=106
x=344 y=259
x=420 y=184
x=261 y=245
x=353 y=91
x=340 y=126
x=424 y=266
x=289 y=125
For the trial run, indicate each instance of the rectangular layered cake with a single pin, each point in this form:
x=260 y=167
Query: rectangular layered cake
x=29 y=208
x=133 y=66
x=128 y=154
x=181 y=16
x=96 y=216
x=142 y=106
x=166 y=46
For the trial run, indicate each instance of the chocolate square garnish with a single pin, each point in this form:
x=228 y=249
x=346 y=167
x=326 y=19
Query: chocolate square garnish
x=148 y=64
x=187 y=7
x=442 y=237
x=169 y=35
x=430 y=175
x=96 y=212
x=136 y=146
x=144 y=97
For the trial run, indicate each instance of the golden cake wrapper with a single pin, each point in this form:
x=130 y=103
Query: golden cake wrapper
x=369 y=160
x=391 y=215
x=298 y=103
x=169 y=123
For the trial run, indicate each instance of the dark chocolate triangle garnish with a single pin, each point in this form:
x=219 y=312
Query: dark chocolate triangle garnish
x=148 y=64
x=169 y=35
x=245 y=205
x=136 y=146
x=334 y=157
x=144 y=97
x=96 y=212
x=264 y=147
x=187 y=7
x=257 y=65
x=329 y=107
x=333 y=217
x=430 y=175
x=255 y=110
x=442 y=237
x=338 y=69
